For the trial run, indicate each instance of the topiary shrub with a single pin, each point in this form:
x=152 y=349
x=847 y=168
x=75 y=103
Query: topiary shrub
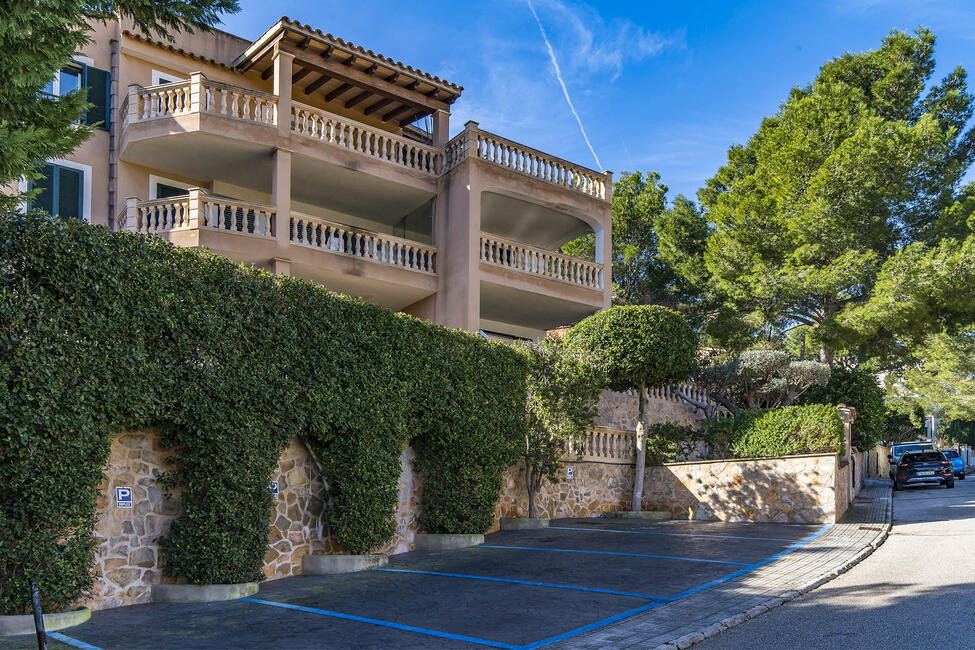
x=857 y=388
x=104 y=332
x=787 y=431
x=640 y=347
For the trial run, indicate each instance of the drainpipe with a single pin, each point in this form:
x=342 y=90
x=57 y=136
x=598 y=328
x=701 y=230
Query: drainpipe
x=113 y=127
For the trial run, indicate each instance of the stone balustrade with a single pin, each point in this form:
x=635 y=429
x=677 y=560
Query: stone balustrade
x=603 y=444
x=314 y=232
x=362 y=138
x=527 y=259
x=198 y=95
x=525 y=160
x=196 y=210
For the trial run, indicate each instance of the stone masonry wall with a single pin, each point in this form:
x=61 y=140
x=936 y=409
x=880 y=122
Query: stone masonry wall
x=797 y=489
x=127 y=557
x=621 y=411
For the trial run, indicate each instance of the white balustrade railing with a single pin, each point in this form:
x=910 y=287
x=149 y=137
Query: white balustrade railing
x=237 y=216
x=198 y=211
x=525 y=160
x=197 y=95
x=157 y=216
x=527 y=259
x=376 y=143
x=314 y=232
x=240 y=103
x=603 y=444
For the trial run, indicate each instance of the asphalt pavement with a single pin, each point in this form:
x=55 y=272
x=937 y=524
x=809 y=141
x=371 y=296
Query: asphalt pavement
x=915 y=591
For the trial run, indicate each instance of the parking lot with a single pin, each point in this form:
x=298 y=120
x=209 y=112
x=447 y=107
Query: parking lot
x=521 y=589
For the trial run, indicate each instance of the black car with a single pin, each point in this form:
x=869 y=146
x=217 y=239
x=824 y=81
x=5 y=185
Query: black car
x=923 y=468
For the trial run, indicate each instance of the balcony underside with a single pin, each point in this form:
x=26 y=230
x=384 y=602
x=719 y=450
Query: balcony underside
x=392 y=287
x=210 y=147
x=523 y=308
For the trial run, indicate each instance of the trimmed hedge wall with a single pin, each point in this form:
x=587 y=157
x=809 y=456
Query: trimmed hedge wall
x=787 y=431
x=104 y=332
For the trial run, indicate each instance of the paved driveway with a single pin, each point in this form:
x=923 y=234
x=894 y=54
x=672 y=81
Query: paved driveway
x=916 y=591
x=521 y=589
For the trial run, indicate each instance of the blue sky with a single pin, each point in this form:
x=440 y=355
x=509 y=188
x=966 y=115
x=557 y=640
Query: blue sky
x=657 y=86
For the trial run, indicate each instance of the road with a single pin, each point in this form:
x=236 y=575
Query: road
x=915 y=591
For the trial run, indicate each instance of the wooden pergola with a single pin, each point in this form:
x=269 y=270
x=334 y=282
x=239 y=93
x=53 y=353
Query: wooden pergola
x=339 y=71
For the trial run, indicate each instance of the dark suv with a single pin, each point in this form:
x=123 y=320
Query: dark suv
x=923 y=468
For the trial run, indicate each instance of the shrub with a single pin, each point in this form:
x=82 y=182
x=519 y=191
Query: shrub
x=640 y=347
x=812 y=429
x=103 y=332
x=857 y=388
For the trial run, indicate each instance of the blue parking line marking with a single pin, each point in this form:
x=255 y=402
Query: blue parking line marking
x=659 y=557
x=525 y=582
x=63 y=638
x=684 y=594
x=376 y=621
x=648 y=532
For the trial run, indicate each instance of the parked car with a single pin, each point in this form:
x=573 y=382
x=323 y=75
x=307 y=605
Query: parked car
x=896 y=451
x=923 y=468
x=957 y=462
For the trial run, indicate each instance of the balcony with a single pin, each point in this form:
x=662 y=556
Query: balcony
x=381 y=268
x=541 y=263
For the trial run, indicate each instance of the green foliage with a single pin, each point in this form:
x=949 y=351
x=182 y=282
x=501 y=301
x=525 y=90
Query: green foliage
x=38 y=38
x=853 y=165
x=900 y=427
x=103 y=332
x=563 y=390
x=857 y=388
x=667 y=442
x=642 y=346
x=791 y=430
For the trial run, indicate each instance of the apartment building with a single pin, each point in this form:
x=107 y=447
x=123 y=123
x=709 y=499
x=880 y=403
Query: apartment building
x=304 y=154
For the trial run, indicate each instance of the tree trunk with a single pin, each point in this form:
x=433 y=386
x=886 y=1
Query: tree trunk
x=529 y=483
x=641 y=451
x=826 y=355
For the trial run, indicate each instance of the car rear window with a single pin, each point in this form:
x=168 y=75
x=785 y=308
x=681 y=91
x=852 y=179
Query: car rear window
x=909 y=448
x=951 y=453
x=923 y=457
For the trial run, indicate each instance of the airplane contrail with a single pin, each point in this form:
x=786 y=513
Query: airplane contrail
x=565 y=91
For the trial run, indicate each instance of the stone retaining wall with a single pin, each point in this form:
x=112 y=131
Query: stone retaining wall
x=792 y=489
x=127 y=557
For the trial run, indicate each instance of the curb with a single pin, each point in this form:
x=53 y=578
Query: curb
x=168 y=593
x=24 y=624
x=693 y=638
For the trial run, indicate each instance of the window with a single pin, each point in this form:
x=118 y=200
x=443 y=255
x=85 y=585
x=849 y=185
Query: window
x=163 y=188
x=62 y=191
x=80 y=74
x=159 y=78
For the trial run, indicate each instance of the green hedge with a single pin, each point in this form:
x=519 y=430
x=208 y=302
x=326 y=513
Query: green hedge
x=812 y=429
x=857 y=388
x=103 y=332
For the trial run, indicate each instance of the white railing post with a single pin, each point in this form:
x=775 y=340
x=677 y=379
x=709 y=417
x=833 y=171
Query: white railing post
x=134 y=112
x=132 y=214
x=197 y=93
x=193 y=209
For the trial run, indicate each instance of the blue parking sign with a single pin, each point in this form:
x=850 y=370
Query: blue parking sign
x=274 y=489
x=123 y=497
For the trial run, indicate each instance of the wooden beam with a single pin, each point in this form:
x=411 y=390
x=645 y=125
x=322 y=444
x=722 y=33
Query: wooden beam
x=409 y=119
x=372 y=69
x=397 y=112
x=267 y=73
x=358 y=98
x=392 y=78
x=432 y=93
x=304 y=44
x=327 y=52
x=382 y=103
x=412 y=86
x=350 y=61
x=338 y=91
x=318 y=83
x=301 y=74
x=345 y=74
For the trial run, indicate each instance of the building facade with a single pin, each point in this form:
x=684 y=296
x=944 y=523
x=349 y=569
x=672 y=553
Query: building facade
x=301 y=153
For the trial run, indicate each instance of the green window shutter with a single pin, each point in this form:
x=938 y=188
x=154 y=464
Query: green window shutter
x=99 y=89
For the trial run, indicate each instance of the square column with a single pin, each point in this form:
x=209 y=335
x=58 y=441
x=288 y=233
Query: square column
x=281 y=199
x=441 y=128
x=283 y=63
